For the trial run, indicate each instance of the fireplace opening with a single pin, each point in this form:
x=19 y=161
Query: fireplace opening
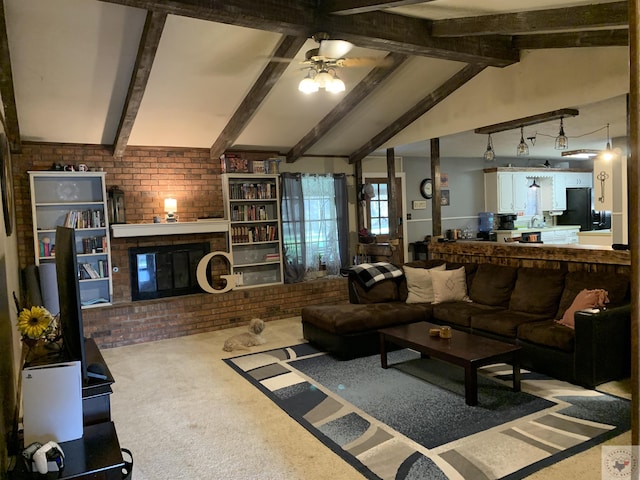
x=165 y=271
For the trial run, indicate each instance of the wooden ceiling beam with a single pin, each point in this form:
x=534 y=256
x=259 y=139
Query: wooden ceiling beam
x=378 y=30
x=348 y=103
x=10 y=118
x=352 y=7
x=151 y=34
x=412 y=36
x=422 y=107
x=586 y=17
x=287 y=49
x=593 y=38
x=526 y=121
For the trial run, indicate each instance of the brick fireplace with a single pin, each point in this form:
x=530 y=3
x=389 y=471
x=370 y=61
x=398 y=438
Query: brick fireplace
x=147 y=176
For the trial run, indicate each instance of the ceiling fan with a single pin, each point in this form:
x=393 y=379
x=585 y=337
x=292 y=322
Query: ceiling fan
x=322 y=64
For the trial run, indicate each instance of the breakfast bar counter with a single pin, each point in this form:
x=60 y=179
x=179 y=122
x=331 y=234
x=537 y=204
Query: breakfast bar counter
x=576 y=257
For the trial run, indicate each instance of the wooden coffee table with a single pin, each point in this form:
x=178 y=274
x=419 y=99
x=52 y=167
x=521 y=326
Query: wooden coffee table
x=463 y=349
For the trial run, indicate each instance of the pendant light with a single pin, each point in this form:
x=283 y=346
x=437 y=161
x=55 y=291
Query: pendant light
x=522 y=149
x=562 y=142
x=607 y=154
x=534 y=185
x=489 y=154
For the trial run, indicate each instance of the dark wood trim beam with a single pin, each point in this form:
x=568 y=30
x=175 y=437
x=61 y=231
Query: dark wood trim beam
x=436 y=200
x=151 y=34
x=377 y=30
x=393 y=193
x=290 y=18
x=633 y=174
x=555 y=19
x=352 y=7
x=422 y=107
x=287 y=49
x=592 y=38
x=412 y=36
x=348 y=103
x=526 y=121
x=11 y=125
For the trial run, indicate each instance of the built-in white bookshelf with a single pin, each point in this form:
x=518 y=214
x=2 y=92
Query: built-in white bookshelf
x=252 y=203
x=77 y=200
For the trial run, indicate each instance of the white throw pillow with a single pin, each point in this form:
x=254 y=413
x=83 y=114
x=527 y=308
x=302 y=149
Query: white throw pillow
x=419 y=283
x=449 y=286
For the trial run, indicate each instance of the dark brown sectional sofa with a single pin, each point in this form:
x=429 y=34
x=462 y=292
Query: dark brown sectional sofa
x=519 y=305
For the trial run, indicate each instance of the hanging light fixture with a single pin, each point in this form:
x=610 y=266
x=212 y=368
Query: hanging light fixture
x=522 y=149
x=320 y=76
x=562 y=142
x=607 y=154
x=534 y=185
x=489 y=154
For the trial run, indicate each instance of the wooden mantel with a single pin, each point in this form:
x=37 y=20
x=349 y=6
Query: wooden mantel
x=176 y=228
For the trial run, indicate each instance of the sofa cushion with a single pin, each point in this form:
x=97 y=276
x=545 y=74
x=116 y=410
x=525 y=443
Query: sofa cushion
x=504 y=323
x=548 y=333
x=616 y=285
x=585 y=299
x=419 y=284
x=537 y=291
x=381 y=292
x=460 y=313
x=449 y=285
x=350 y=317
x=492 y=284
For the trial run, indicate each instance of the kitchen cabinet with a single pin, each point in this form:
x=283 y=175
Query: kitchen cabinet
x=577 y=179
x=505 y=192
x=560 y=236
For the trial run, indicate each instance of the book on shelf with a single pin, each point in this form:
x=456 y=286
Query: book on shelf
x=89 y=271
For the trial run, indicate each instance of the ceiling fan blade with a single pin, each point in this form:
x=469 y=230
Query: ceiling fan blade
x=334 y=48
x=366 y=62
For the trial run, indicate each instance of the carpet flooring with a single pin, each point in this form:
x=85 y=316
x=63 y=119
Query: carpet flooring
x=411 y=422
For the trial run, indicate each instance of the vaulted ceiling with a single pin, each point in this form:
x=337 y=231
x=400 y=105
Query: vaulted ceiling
x=224 y=74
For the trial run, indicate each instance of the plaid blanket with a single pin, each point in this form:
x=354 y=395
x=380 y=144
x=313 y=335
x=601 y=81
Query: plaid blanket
x=370 y=273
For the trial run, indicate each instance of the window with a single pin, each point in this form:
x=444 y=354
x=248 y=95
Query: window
x=379 y=209
x=314 y=224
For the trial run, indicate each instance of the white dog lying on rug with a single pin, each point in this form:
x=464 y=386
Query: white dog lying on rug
x=249 y=339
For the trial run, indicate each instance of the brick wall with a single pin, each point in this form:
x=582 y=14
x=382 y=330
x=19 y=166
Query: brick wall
x=148 y=176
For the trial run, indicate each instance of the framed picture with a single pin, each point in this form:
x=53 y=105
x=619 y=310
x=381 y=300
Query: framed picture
x=444 y=180
x=258 y=166
x=445 y=200
x=6 y=184
x=235 y=164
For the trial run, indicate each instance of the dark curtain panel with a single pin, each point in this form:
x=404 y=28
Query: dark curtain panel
x=340 y=183
x=292 y=227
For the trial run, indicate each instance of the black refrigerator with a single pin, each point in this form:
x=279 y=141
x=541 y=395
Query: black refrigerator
x=579 y=209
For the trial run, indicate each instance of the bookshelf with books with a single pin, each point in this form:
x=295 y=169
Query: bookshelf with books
x=77 y=200
x=253 y=209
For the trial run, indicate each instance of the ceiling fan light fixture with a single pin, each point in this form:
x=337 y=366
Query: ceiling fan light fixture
x=308 y=84
x=324 y=79
x=562 y=142
x=336 y=85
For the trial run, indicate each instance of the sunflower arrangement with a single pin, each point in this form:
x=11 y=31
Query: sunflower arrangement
x=37 y=323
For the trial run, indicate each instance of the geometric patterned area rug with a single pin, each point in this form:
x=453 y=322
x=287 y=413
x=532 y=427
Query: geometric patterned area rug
x=411 y=422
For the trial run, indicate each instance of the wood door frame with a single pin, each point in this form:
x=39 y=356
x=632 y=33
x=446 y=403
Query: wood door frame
x=403 y=193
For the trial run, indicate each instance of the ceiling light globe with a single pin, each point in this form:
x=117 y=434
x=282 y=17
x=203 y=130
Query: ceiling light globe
x=308 y=85
x=324 y=79
x=336 y=86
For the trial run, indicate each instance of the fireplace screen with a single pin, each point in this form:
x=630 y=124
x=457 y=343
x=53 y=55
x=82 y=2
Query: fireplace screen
x=165 y=271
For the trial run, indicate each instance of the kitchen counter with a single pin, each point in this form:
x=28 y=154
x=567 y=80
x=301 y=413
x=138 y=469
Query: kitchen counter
x=553 y=235
x=595 y=237
x=540 y=229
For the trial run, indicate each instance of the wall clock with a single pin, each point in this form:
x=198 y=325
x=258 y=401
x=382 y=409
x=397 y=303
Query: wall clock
x=6 y=184
x=426 y=188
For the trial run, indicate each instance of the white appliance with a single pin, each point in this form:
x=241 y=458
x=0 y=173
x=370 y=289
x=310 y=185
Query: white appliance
x=52 y=403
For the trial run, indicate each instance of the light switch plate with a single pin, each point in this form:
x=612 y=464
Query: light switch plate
x=419 y=204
